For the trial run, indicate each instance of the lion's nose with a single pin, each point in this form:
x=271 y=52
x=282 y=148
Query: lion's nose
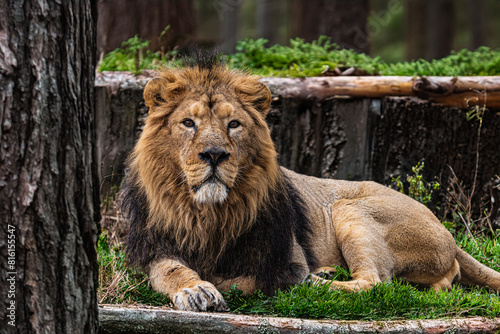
x=214 y=156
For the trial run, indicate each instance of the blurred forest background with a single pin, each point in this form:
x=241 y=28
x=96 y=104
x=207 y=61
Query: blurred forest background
x=395 y=30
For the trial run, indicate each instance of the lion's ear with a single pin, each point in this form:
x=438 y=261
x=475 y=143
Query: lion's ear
x=162 y=90
x=256 y=94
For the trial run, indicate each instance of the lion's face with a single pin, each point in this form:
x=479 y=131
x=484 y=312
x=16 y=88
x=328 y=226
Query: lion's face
x=212 y=136
x=209 y=134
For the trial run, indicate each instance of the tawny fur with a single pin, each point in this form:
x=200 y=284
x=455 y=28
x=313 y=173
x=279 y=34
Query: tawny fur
x=375 y=232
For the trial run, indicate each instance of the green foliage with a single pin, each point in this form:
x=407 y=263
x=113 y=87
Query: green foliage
x=321 y=56
x=483 y=61
x=299 y=59
x=418 y=188
x=317 y=58
x=134 y=56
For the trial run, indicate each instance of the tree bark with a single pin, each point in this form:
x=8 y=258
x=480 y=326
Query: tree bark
x=120 y=20
x=344 y=21
x=48 y=177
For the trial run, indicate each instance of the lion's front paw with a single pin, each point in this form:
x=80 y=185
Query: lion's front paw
x=202 y=297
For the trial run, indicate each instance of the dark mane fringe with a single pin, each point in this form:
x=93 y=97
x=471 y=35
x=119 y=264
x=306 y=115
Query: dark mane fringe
x=263 y=252
x=203 y=59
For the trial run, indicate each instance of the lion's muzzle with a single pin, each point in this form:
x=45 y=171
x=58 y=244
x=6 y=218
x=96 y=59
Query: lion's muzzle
x=212 y=189
x=214 y=157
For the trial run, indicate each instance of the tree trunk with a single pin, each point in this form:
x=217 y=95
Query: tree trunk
x=440 y=29
x=120 y=20
x=266 y=16
x=477 y=19
x=48 y=176
x=344 y=21
x=229 y=16
x=416 y=27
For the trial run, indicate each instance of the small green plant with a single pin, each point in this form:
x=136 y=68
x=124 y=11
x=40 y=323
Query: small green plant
x=462 y=202
x=134 y=56
x=418 y=188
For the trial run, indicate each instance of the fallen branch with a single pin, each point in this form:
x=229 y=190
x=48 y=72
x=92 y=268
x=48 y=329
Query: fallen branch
x=155 y=320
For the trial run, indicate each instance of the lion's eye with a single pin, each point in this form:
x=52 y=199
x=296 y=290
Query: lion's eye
x=188 y=123
x=233 y=124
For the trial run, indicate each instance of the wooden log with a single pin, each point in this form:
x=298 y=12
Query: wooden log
x=118 y=320
x=461 y=92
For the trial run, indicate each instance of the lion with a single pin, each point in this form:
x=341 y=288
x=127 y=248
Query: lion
x=210 y=207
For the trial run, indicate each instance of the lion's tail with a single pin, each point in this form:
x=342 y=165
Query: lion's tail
x=475 y=273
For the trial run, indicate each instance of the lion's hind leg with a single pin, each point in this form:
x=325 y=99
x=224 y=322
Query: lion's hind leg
x=362 y=243
x=447 y=280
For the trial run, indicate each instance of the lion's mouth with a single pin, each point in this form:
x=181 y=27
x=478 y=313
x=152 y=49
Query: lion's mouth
x=211 y=190
x=212 y=179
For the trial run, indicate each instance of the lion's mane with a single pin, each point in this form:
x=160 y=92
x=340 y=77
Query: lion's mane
x=251 y=233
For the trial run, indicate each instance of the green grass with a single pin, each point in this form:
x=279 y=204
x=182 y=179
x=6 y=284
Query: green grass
x=120 y=284
x=300 y=58
x=487 y=250
x=385 y=301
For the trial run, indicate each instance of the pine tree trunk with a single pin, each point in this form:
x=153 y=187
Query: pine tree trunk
x=416 y=28
x=440 y=28
x=229 y=16
x=49 y=200
x=266 y=16
x=120 y=20
x=476 y=23
x=344 y=21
